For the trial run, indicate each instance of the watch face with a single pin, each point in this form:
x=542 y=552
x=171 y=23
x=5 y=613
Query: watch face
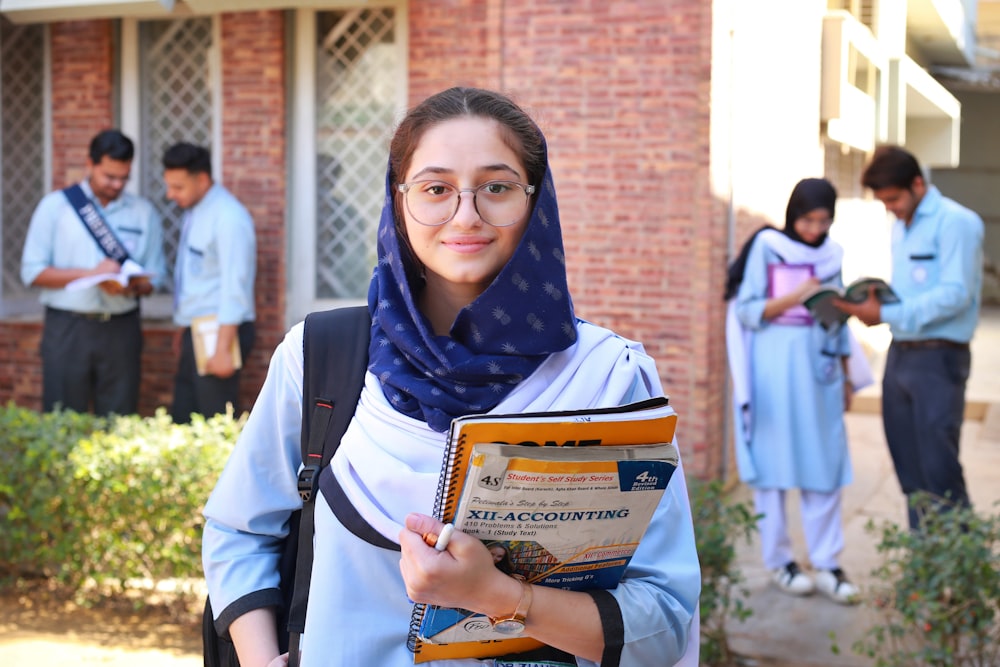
x=509 y=626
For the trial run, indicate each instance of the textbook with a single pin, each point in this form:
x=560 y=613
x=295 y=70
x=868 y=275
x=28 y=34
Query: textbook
x=820 y=302
x=561 y=499
x=130 y=273
x=204 y=337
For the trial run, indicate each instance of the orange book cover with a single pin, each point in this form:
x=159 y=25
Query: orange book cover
x=647 y=422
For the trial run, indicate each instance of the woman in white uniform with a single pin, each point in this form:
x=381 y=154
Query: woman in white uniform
x=471 y=313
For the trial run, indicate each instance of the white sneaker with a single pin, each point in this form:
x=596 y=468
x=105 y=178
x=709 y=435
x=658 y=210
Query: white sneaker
x=834 y=584
x=792 y=580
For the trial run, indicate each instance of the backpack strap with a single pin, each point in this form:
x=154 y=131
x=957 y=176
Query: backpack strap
x=335 y=360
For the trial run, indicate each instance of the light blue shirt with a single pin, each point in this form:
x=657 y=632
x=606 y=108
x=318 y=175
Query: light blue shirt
x=248 y=512
x=216 y=261
x=58 y=238
x=937 y=271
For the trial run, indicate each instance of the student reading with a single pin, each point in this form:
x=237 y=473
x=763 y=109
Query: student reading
x=797 y=373
x=470 y=313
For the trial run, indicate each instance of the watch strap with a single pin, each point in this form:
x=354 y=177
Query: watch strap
x=520 y=614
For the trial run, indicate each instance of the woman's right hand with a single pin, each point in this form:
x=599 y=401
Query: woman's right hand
x=776 y=306
x=280 y=661
x=462 y=576
x=808 y=286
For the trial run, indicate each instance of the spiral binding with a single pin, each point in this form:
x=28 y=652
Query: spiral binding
x=416 y=618
x=448 y=483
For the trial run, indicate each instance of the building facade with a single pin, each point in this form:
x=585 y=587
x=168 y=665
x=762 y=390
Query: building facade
x=675 y=127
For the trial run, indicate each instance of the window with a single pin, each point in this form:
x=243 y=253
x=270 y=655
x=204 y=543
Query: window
x=349 y=87
x=23 y=142
x=356 y=61
x=175 y=104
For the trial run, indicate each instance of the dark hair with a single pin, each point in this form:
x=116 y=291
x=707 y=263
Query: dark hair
x=808 y=195
x=505 y=564
x=520 y=132
x=113 y=144
x=191 y=158
x=891 y=167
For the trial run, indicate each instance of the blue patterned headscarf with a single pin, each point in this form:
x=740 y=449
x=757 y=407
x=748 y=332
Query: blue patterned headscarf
x=495 y=342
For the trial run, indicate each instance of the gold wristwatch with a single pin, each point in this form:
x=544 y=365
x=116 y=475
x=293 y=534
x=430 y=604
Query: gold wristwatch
x=513 y=624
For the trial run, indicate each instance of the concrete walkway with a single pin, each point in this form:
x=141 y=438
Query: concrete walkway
x=790 y=631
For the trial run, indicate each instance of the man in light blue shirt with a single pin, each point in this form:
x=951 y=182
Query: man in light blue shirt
x=92 y=337
x=213 y=276
x=937 y=271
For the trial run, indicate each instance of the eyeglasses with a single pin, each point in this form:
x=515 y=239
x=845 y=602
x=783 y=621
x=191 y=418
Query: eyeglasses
x=498 y=203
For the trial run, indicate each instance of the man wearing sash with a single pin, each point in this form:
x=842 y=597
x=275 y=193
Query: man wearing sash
x=213 y=276
x=92 y=338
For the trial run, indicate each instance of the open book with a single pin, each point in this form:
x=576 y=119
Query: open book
x=130 y=273
x=820 y=302
x=562 y=499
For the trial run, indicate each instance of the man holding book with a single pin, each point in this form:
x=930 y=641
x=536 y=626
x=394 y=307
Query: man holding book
x=937 y=259
x=94 y=232
x=213 y=278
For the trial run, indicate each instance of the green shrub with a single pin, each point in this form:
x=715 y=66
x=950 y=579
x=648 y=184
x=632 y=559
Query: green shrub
x=85 y=499
x=939 y=595
x=718 y=524
x=38 y=530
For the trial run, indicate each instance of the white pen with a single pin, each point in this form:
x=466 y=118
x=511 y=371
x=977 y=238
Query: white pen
x=440 y=542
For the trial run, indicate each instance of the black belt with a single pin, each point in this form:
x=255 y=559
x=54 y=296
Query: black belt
x=930 y=344
x=94 y=317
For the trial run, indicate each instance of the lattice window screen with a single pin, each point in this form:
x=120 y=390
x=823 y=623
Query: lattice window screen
x=22 y=63
x=176 y=105
x=357 y=70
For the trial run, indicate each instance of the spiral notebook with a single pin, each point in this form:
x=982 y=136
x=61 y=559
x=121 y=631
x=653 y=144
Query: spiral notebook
x=476 y=441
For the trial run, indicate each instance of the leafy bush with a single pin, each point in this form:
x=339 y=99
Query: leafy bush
x=718 y=524
x=87 y=499
x=940 y=595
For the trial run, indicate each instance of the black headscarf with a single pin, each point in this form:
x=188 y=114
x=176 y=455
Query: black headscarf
x=808 y=195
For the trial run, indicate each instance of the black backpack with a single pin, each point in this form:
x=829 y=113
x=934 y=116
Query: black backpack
x=335 y=359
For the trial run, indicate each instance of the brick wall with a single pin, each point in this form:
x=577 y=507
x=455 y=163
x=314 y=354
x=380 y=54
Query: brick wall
x=622 y=93
x=253 y=164
x=82 y=60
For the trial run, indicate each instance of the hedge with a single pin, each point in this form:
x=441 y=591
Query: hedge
x=86 y=499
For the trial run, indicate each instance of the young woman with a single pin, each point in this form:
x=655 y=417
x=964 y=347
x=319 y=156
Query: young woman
x=791 y=389
x=470 y=314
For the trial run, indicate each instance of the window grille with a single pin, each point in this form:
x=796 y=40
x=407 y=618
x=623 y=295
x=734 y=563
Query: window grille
x=22 y=77
x=357 y=73
x=175 y=105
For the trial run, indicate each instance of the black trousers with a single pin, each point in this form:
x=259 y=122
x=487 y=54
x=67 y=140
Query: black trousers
x=923 y=405
x=91 y=362
x=207 y=395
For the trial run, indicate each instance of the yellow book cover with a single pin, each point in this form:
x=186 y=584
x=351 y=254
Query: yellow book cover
x=603 y=469
x=204 y=336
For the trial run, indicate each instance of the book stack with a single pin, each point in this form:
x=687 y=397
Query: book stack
x=562 y=499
